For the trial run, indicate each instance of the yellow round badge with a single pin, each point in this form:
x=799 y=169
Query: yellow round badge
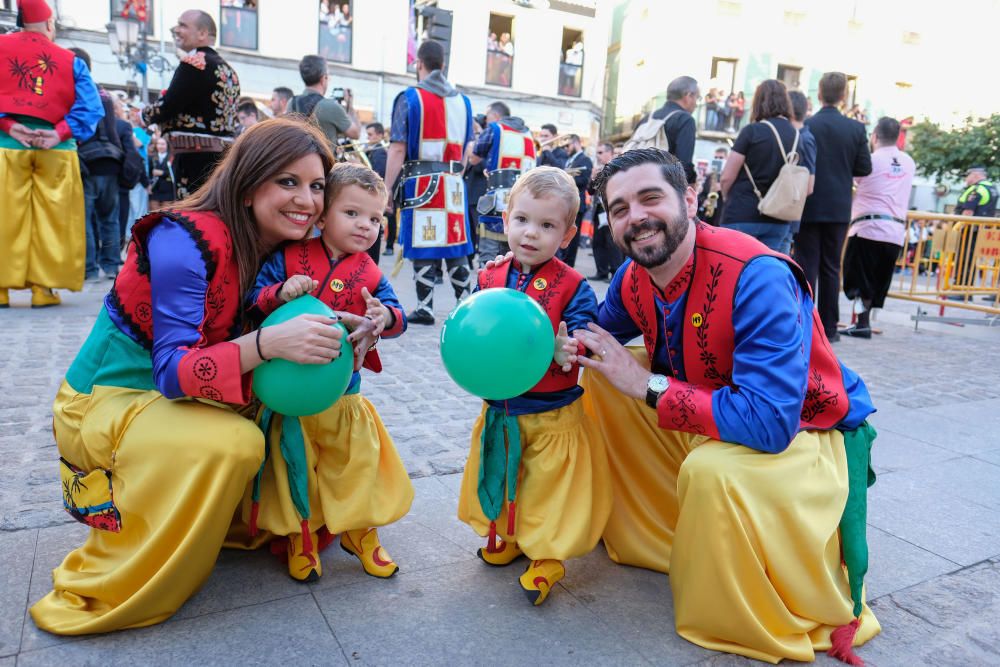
x=337 y=285
x=540 y=284
x=697 y=320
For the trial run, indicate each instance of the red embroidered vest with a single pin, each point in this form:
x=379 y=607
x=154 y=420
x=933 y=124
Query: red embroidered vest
x=553 y=287
x=709 y=338
x=340 y=286
x=131 y=294
x=36 y=78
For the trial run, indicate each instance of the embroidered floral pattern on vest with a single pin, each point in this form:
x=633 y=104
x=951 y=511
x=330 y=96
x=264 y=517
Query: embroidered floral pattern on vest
x=707 y=357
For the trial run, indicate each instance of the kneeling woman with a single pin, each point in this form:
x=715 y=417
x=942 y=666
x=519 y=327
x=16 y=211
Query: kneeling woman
x=155 y=455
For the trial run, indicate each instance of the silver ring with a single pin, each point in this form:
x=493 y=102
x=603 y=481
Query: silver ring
x=604 y=353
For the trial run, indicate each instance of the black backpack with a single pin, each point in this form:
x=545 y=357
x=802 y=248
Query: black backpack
x=104 y=144
x=304 y=104
x=133 y=169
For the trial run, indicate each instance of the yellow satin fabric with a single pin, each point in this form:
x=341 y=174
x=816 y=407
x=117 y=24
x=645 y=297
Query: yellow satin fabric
x=563 y=491
x=42 y=219
x=356 y=478
x=750 y=540
x=179 y=469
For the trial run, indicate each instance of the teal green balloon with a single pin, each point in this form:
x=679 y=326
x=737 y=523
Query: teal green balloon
x=497 y=344
x=299 y=390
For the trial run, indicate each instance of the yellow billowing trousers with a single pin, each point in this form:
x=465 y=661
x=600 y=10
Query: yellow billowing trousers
x=42 y=234
x=355 y=476
x=179 y=469
x=750 y=540
x=563 y=492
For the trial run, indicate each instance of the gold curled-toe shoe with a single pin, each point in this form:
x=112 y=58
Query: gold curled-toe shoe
x=505 y=553
x=540 y=577
x=303 y=559
x=4 y=298
x=364 y=544
x=43 y=297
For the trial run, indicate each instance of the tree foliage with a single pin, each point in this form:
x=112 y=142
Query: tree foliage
x=947 y=154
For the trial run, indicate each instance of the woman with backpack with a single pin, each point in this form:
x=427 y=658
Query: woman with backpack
x=764 y=150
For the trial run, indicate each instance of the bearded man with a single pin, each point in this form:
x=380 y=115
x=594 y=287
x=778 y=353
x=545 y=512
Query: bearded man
x=730 y=435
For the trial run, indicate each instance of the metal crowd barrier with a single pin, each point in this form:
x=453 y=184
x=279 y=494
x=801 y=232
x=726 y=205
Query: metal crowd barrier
x=952 y=262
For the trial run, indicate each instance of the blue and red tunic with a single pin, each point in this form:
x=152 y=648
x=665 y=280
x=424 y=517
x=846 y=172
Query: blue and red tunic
x=737 y=332
x=510 y=148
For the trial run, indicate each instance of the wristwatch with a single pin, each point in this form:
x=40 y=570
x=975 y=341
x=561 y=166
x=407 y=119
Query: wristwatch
x=655 y=387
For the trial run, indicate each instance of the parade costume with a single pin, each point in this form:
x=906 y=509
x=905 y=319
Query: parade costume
x=548 y=495
x=435 y=122
x=175 y=470
x=351 y=478
x=736 y=484
x=43 y=86
x=508 y=150
x=197 y=115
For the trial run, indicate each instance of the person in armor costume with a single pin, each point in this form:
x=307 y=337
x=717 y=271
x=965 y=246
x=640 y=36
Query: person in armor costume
x=172 y=328
x=48 y=103
x=431 y=126
x=507 y=150
x=197 y=112
x=738 y=443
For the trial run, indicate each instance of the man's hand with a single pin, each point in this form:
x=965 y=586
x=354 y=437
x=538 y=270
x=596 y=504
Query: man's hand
x=26 y=137
x=616 y=363
x=566 y=348
x=296 y=286
x=376 y=311
x=46 y=139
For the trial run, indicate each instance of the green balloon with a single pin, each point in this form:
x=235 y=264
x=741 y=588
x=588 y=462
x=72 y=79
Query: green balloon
x=295 y=389
x=497 y=344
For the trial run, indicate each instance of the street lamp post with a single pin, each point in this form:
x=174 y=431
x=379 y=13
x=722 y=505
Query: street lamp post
x=127 y=37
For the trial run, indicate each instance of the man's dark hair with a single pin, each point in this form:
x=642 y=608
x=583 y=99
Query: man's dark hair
x=608 y=146
x=671 y=167
x=887 y=130
x=378 y=127
x=312 y=69
x=573 y=138
x=770 y=100
x=500 y=109
x=832 y=87
x=248 y=108
x=82 y=55
x=431 y=54
x=552 y=129
x=284 y=93
x=800 y=105
x=204 y=21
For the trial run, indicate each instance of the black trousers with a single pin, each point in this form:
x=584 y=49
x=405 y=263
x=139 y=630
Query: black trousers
x=373 y=252
x=868 y=269
x=818 y=246
x=607 y=254
x=568 y=254
x=193 y=169
x=390 y=231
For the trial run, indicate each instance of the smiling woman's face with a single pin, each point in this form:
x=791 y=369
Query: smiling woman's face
x=291 y=200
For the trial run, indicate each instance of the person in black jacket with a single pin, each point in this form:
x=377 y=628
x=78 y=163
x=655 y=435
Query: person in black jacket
x=682 y=99
x=841 y=154
x=550 y=156
x=580 y=168
x=162 y=190
x=377 y=156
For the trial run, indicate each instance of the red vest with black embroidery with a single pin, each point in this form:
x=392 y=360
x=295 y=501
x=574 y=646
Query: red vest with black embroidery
x=36 y=78
x=708 y=334
x=553 y=287
x=132 y=295
x=339 y=287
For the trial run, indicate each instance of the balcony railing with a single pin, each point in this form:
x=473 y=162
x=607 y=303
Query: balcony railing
x=499 y=68
x=335 y=39
x=239 y=28
x=570 y=79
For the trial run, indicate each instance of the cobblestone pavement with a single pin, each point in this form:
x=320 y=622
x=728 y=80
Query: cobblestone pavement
x=934 y=530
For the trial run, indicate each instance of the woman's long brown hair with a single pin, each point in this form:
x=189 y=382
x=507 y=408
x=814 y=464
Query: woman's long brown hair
x=770 y=100
x=262 y=151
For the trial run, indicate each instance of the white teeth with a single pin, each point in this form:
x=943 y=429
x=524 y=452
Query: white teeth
x=643 y=237
x=301 y=217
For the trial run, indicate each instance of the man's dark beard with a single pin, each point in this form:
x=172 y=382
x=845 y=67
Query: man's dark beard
x=674 y=233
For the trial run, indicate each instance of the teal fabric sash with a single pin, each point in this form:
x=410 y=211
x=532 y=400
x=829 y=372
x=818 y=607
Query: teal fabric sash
x=110 y=358
x=499 y=461
x=854 y=522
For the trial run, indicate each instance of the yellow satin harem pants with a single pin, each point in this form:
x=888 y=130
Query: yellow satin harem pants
x=179 y=470
x=42 y=234
x=750 y=540
x=563 y=491
x=356 y=478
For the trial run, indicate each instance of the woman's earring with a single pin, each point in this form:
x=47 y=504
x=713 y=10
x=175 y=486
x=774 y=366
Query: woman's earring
x=246 y=203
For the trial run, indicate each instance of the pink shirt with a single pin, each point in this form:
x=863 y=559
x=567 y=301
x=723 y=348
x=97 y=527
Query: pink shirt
x=886 y=191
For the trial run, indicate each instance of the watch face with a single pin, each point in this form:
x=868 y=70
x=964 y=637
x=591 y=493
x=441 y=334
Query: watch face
x=659 y=383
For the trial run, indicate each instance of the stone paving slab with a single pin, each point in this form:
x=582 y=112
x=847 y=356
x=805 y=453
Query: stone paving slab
x=16 y=552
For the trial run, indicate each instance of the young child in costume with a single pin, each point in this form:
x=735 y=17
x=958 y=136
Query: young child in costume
x=551 y=498
x=339 y=469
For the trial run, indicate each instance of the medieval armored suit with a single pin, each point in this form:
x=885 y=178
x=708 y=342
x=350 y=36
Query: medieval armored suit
x=555 y=506
x=199 y=104
x=354 y=474
x=435 y=122
x=751 y=432
x=42 y=235
x=164 y=332
x=508 y=150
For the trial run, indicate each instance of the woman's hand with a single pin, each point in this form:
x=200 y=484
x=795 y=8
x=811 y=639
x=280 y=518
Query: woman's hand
x=296 y=286
x=616 y=363
x=306 y=339
x=566 y=349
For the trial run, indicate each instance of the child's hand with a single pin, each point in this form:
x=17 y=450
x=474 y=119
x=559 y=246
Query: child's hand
x=375 y=311
x=566 y=349
x=296 y=286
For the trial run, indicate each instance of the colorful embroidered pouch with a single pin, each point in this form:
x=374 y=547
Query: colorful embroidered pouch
x=88 y=498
